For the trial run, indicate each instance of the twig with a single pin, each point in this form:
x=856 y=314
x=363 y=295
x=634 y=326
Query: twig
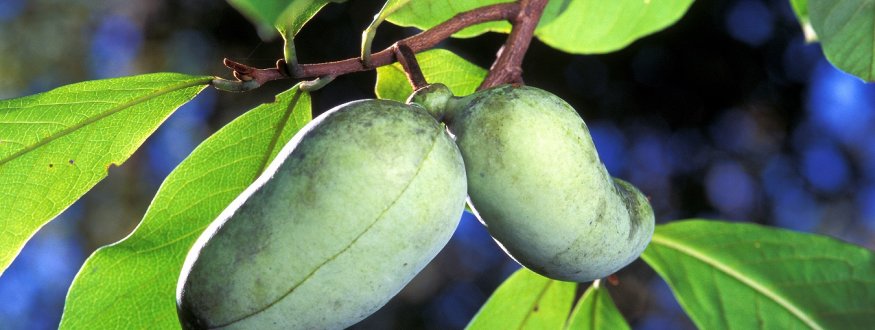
x=507 y=67
x=417 y=43
x=249 y=78
x=407 y=59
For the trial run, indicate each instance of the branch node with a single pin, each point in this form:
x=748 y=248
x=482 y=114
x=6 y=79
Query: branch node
x=283 y=67
x=246 y=74
x=234 y=85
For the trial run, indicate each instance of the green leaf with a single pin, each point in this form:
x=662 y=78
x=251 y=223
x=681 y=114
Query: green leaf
x=573 y=26
x=425 y=14
x=438 y=66
x=800 y=7
x=596 y=310
x=368 y=34
x=55 y=146
x=286 y=16
x=132 y=283
x=597 y=26
x=846 y=28
x=526 y=301
x=746 y=276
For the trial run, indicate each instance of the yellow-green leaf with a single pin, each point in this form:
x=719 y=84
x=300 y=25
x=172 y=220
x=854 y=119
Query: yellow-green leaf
x=573 y=26
x=55 y=146
x=438 y=66
x=746 y=276
x=526 y=301
x=132 y=283
x=425 y=14
x=596 y=310
x=598 y=26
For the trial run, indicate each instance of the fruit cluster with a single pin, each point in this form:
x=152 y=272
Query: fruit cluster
x=360 y=200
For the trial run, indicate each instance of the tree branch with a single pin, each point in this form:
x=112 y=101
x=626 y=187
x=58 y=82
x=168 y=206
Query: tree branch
x=417 y=43
x=507 y=67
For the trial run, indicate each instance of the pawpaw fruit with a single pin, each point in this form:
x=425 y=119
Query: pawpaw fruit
x=535 y=180
x=355 y=205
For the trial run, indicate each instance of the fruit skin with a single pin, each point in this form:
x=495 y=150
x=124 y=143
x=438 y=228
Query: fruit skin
x=354 y=206
x=536 y=181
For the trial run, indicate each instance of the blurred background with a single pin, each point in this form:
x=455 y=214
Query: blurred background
x=727 y=114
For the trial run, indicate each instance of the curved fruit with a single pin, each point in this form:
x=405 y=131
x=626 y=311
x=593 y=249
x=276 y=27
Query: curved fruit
x=536 y=181
x=351 y=209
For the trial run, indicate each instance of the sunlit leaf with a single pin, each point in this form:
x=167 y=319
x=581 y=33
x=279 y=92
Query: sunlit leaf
x=573 y=26
x=596 y=310
x=424 y=14
x=526 y=301
x=846 y=28
x=438 y=66
x=746 y=276
x=598 y=26
x=131 y=284
x=55 y=146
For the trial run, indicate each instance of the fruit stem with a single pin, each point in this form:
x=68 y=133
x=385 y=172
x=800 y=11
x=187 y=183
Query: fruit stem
x=407 y=59
x=507 y=67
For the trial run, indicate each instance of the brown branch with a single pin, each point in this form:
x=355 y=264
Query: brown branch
x=420 y=42
x=407 y=59
x=507 y=67
x=244 y=72
x=417 y=43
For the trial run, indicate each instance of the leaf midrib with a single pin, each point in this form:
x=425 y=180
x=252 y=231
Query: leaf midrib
x=107 y=113
x=750 y=282
x=536 y=302
x=594 y=311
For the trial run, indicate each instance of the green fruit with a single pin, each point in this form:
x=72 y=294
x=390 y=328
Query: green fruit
x=536 y=181
x=352 y=208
